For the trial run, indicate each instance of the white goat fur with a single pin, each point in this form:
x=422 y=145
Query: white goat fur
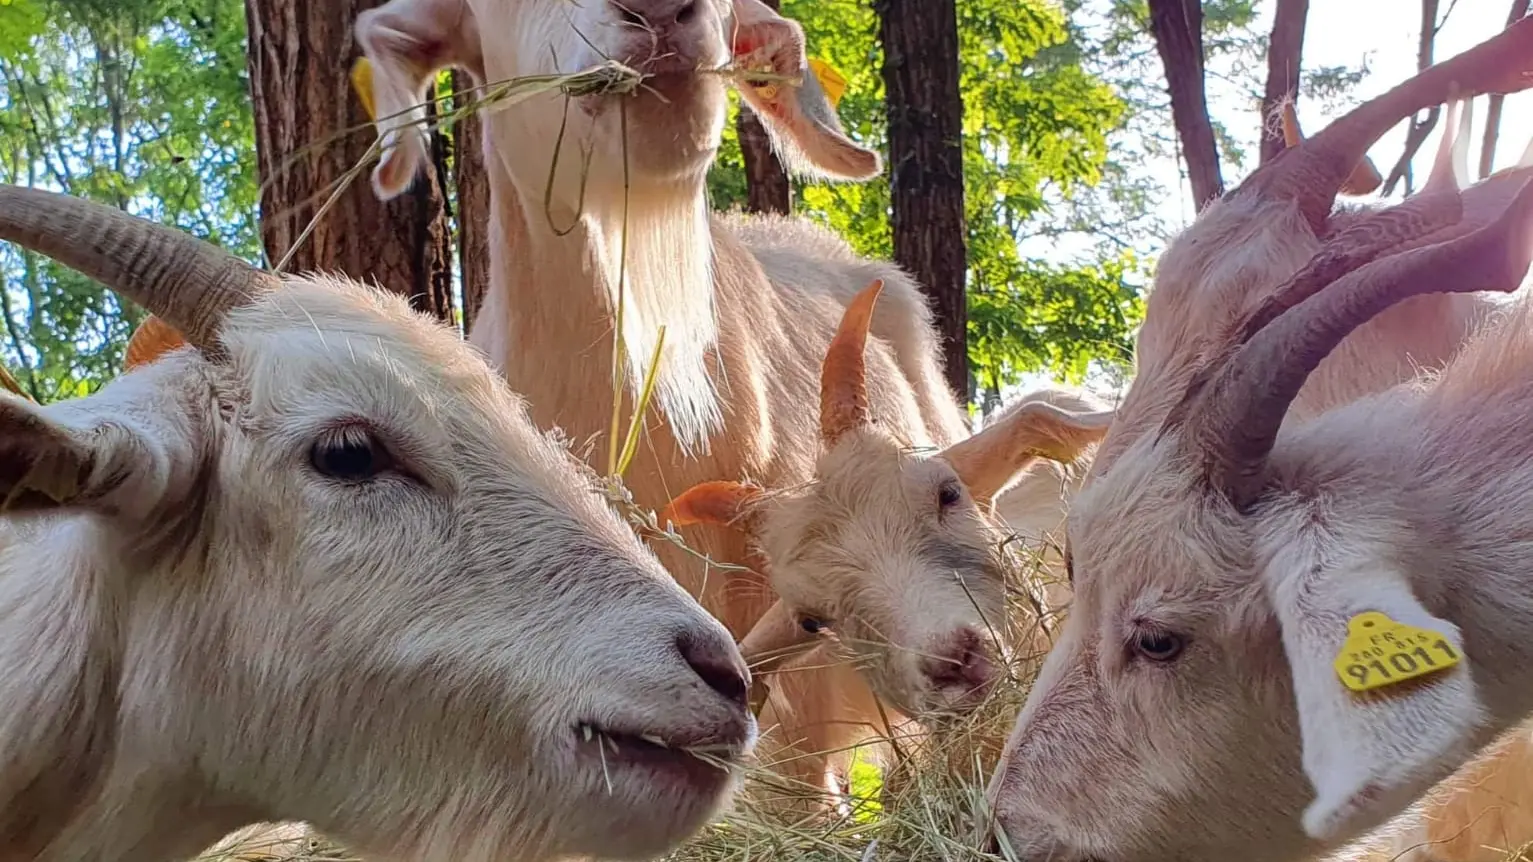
x=749 y=303
x=214 y=633
x=1405 y=499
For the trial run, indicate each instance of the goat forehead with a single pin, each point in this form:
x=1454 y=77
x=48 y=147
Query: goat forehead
x=1144 y=522
x=322 y=350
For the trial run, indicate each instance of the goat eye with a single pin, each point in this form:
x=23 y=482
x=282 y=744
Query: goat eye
x=349 y=454
x=811 y=625
x=1157 y=646
x=948 y=494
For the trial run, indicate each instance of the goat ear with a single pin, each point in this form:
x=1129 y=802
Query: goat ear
x=152 y=339
x=722 y=503
x=992 y=460
x=406 y=42
x=799 y=118
x=66 y=455
x=774 y=639
x=1377 y=741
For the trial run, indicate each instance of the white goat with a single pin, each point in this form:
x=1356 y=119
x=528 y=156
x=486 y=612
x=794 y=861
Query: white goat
x=602 y=196
x=896 y=554
x=320 y=566
x=1220 y=559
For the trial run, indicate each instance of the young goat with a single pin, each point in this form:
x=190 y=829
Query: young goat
x=896 y=552
x=601 y=198
x=319 y=565
x=1220 y=559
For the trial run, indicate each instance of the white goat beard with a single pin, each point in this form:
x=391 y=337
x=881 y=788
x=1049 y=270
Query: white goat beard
x=669 y=282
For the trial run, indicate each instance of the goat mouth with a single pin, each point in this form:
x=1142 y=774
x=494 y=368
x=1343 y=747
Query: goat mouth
x=620 y=749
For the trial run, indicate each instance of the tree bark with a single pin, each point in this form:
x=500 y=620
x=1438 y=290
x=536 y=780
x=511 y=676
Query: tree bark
x=1285 y=51
x=766 y=183
x=310 y=130
x=925 y=108
x=1493 y=115
x=1177 y=26
x=473 y=186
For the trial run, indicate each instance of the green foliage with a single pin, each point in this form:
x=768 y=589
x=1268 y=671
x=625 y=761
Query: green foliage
x=140 y=104
x=1036 y=127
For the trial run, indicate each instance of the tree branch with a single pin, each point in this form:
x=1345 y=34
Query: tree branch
x=1493 y=116
x=1419 y=128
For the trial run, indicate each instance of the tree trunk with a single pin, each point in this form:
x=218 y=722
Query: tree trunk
x=920 y=41
x=473 y=186
x=310 y=130
x=1493 y=115
x=1177 y=26
x=766 y=183
x=1285 y=50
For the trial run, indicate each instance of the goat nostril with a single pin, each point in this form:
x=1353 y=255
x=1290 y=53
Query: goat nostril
x=628 y=16
x=961 y=660
x=686 y=13
x=719 y=665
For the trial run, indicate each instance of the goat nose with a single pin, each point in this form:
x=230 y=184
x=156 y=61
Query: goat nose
x=719 y=664
x=959 y=659
x=656 y=15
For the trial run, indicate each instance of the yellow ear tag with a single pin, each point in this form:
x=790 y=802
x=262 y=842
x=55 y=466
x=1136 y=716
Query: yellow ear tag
x=362 y=82
x=830 y=80
x=1380 y=652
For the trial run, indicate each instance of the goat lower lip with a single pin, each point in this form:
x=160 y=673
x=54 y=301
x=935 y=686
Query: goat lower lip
x=621 y=747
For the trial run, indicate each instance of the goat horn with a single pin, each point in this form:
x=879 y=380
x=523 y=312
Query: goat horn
x=187 y=282
x=1364 y=179
x=1312 y=172
x=1438 y=205
x=1235 y=422
x=844 y=376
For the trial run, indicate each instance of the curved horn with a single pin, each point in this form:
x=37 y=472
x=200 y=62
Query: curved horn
x=1439 y=205
x=774 y=639
x=1312 y=172
x=1365 y=178
x=719 y=502
x=844 y=376
x=1234 y=424
x=189 y=283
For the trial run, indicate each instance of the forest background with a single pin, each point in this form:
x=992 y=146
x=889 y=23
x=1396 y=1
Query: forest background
x=1089 y=131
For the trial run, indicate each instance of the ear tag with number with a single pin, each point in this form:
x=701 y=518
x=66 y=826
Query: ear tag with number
x=1380 y=652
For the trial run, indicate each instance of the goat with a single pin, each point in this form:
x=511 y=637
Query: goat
x=600 y=199
x=895 y=551
x=1221 y=559
x=319 y=565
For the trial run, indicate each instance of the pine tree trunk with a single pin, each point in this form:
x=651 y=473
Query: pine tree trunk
x=920 y=41
x=766 y=183
x=1177 y=26
x=310 y=130
x=473 y=187
x=1285 y=51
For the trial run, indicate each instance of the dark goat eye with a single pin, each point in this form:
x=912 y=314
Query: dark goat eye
x=948 y=494
x=349 y=454
x=1158 y=646
x=811 y=625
